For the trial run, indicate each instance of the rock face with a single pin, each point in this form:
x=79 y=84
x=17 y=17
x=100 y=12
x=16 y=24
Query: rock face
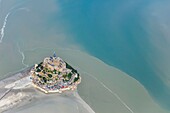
x=54 y=75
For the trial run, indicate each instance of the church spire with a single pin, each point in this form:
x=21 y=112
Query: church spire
x=54 y=54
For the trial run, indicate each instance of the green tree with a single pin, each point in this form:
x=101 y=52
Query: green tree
x=49 y=75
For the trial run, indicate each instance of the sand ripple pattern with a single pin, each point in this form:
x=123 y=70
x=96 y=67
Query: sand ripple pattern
x=115 y=94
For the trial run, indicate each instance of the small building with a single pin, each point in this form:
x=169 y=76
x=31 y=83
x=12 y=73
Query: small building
x=52 y=75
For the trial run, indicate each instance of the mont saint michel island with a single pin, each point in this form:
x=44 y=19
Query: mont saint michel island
x=84 y=56
x=54 y=75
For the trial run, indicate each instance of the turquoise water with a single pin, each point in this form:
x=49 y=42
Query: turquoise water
x=132 y=35
x=125 y=34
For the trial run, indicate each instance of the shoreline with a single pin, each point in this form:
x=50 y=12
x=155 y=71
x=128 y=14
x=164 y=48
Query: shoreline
x=15 y=76
x=14 y=92
x=97 y=79
x=85 y=105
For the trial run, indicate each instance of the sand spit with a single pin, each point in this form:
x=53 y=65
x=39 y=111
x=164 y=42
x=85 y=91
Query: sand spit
x=14 y=77
x=10 y=90
x=67 y=102
x=13 y=100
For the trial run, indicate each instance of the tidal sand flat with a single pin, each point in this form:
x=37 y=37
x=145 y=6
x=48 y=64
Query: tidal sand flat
x=69 y=102
x=120 y=28
x=17 y=95
x=110 y=90
x=104 y=88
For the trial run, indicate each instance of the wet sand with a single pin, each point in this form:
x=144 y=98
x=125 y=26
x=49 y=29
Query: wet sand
x=103 y=88
x=17 y=95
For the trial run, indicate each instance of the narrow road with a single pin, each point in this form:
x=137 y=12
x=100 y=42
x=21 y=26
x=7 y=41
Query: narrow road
x=5 y=93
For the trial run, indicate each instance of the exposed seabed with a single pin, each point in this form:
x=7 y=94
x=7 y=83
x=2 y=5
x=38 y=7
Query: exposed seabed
x=17 y=95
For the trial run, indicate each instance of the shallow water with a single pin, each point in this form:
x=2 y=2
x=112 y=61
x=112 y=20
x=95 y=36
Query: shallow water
x=104 y=93
x=130 y=35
